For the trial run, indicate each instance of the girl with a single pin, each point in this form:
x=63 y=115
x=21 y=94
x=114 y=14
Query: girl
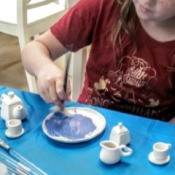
x=131 y=62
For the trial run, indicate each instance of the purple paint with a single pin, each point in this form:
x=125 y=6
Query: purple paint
x=75 y=127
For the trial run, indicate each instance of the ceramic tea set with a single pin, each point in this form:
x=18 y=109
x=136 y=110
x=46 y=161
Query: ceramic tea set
x=160 y=155
x=12 y=112
x=115 y=148
x=111 y=153
x=120 y=134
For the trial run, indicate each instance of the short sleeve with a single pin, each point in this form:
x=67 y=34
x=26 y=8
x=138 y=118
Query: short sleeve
x=75 y=29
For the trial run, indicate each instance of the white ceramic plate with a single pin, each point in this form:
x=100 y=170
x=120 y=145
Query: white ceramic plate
x=76 y=124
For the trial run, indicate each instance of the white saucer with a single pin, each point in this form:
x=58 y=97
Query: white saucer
x=14 y=136
x=158 y=162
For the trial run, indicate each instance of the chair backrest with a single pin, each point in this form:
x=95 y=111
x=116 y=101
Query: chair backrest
x=28 y=18
x=24 y=5
x=78 y=71
x=38 y=3
x=12 y=11
x=36 y=16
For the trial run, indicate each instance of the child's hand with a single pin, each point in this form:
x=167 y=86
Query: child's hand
x=172 y=120
x=50 y=81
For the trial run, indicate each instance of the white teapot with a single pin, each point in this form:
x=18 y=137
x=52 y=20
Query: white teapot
x=120 y=135
x=12 y=107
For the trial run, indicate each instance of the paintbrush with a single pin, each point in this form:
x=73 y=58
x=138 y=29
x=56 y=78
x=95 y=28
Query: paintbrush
x=25 y=165
x=56 y=108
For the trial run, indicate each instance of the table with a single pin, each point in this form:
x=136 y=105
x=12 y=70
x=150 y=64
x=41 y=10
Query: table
x=83 y=158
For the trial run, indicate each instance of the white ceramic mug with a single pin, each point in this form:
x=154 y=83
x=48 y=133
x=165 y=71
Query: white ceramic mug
x=160 y=150
x=111 y=153
x=14 y=128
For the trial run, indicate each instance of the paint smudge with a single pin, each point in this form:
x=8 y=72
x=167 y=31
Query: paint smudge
x=75 y=127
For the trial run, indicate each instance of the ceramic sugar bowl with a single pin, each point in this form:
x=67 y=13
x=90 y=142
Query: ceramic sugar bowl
x=120 y=135
x=12 y=107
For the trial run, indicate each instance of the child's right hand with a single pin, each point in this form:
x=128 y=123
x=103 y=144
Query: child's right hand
x=50 y=81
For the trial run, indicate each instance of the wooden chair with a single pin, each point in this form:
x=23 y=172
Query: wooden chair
x=79 y=60
x=28 y=18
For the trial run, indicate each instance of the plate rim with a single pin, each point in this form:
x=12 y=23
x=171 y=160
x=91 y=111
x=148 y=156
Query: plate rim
x=66 y=140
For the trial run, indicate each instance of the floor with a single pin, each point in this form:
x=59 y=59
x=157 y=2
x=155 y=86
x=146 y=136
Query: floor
x=11 y=69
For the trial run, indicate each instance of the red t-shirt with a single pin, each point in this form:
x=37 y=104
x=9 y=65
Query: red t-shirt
x=138 y=81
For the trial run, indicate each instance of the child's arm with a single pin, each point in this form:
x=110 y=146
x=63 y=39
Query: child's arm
x=37 y=58
x=172 y=120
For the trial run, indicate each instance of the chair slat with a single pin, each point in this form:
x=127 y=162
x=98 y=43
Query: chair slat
x=34 y=4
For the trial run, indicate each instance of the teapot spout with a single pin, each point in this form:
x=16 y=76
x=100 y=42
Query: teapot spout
x=19 y=112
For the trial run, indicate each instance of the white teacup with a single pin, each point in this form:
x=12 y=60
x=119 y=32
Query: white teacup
x=14 y=128
x=111 y=153
x=160 y=150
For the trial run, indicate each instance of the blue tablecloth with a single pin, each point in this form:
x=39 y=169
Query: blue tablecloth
x=83 y=158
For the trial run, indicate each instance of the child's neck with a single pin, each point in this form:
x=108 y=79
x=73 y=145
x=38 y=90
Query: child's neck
x=162 y=32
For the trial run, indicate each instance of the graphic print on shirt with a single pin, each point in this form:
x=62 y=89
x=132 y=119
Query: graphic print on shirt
x=131 y=81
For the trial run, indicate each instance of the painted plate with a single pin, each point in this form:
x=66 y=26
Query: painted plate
x=75 y=124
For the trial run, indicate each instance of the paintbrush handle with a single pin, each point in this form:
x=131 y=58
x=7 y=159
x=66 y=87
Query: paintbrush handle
x=14 y=165
x=22 y=161
x=4 y=145
x=36 y=170
x=68 y=56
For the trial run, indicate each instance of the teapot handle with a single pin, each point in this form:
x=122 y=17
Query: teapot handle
x=125 y=151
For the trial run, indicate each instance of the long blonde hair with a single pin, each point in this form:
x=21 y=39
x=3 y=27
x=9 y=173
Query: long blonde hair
x=126 y=21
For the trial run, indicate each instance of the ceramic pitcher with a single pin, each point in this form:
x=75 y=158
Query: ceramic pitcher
x=111 y=152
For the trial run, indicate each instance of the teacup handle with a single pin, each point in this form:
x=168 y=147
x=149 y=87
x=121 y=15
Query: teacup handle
x=125 y=151
x=169 y=145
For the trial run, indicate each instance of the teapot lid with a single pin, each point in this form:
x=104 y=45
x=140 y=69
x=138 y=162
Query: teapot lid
x=120 y=128
x=10 y=98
